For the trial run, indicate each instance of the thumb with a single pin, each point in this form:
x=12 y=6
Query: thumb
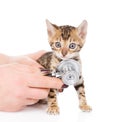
x=36 y=55
x=25 y=60
x=30 y=62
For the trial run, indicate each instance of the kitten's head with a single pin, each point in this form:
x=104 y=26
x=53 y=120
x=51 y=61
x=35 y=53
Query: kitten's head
x=66 y=41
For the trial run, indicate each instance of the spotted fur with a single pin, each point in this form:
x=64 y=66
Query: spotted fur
x=66 y=43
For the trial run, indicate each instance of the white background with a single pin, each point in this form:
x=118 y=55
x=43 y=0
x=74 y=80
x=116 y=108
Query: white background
x=23 y=30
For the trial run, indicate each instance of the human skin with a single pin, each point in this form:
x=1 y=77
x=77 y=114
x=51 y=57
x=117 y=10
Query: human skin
x=22 y=83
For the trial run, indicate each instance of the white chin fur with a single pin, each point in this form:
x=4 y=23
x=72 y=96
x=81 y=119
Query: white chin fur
x=67 y=56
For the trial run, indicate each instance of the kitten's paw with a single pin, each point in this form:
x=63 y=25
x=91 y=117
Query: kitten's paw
x=85 y=108
x=53 y=110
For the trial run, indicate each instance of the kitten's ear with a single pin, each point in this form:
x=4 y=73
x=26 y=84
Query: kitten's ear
x=82 y=29
x=50 y=28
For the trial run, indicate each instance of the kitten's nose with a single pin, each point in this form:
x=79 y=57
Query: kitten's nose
x=64 y=51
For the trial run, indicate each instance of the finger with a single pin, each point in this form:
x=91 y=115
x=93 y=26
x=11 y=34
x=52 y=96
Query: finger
x=25 y=60
x=28 y=61
x=26 y=69
x=36 y=55
x=30 y=101
x=16 y=109
x=45 y=82
x=35 y=93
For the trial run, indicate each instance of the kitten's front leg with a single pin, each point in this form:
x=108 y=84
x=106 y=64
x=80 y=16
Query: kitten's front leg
x=82 y=99
x=52 y=102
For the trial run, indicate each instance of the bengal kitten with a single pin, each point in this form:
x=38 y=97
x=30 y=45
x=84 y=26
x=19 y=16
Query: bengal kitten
x=66 y=43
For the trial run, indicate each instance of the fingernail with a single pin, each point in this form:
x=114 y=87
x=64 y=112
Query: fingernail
x=45 y=71
x=60 y=90
x=64 y=86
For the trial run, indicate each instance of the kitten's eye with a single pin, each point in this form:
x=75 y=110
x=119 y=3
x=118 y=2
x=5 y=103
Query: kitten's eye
x=57 y=44
x=72 y=46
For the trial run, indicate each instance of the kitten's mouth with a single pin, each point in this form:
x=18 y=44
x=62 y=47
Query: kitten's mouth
x=64 y=58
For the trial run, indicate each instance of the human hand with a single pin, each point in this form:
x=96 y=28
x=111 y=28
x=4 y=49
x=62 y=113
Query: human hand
x=29 y=59
x=22 y=85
